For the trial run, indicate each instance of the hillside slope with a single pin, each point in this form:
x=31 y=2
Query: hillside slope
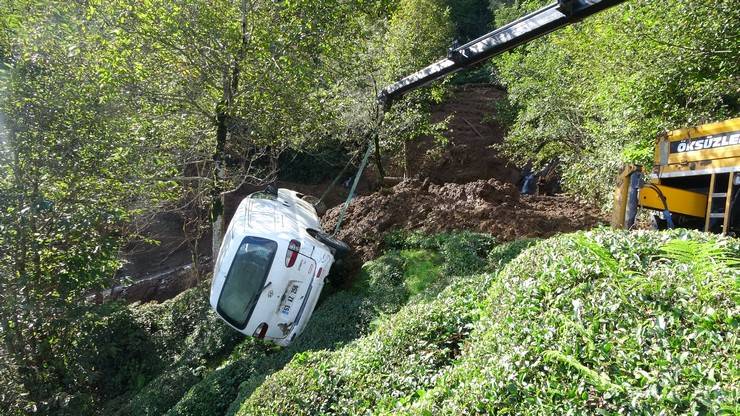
x=464 y=185
x=600 y=322
x=591 y=322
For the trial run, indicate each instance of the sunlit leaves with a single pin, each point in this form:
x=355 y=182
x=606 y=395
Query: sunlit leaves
x=596 y=94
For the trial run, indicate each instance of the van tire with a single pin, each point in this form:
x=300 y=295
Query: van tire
x=339 y=247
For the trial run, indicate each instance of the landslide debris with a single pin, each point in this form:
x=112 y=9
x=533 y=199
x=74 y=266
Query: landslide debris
x=472 y=132
x=486 y=206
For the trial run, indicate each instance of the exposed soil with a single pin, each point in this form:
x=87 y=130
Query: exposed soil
x=486 y=206
x=466 y=185
x=471 y=133
x=144 y=259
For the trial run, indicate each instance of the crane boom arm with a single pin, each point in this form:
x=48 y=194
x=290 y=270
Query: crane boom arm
x=532 y=26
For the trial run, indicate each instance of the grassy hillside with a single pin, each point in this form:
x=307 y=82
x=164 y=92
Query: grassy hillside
x=590 y=322
x=598 y=322
x=210 y=369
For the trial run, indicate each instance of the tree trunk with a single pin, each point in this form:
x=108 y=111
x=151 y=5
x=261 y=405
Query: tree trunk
x=231 y=86
x=378 y=162
x=217 y=203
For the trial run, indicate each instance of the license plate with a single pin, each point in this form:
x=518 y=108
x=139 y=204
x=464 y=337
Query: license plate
x=290 y=296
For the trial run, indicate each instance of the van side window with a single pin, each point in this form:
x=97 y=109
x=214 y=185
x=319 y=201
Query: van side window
x=263 y=195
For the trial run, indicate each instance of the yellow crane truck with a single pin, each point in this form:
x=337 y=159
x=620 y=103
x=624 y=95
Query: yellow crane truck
x=695 y=181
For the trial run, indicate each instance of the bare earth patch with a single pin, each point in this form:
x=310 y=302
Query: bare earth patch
x=487 y=206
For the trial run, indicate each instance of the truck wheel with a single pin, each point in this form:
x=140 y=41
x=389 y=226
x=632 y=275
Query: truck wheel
x=339 y=247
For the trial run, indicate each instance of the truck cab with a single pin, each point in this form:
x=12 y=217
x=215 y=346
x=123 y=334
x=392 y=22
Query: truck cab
x=694 y=182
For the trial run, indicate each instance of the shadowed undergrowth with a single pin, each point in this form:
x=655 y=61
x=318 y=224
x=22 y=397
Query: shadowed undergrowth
x=599 y=322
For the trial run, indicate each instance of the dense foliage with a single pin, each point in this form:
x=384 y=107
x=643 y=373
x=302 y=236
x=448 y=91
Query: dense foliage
x=587 y=323
x=110 y=111
x=596 y=94
x=113 y=110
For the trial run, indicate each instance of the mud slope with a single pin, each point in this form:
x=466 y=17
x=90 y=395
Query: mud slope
x=487 y=206
x=471 y=133
x=469 y=186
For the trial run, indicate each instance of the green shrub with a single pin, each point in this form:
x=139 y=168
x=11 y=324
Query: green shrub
x=603 y=322
x=13 y=394
x=504 y=253
x=421 y=269
x=462 y=252
x=586 y=323
x=189 y=337
x=163 y=392
x=113 y=352
x=213 y=394
x=93 y=354
x=377 y=372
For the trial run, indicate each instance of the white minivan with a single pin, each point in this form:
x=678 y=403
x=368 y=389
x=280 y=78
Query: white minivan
x=272 y=265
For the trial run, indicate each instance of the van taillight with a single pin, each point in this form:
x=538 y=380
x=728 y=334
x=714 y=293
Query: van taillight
x=293 y=248
x=261 y=331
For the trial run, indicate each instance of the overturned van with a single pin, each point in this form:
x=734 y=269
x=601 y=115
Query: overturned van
x=272 y=266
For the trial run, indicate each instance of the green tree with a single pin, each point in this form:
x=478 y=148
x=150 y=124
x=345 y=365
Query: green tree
x=419 y=33
x=596 y=94
x=249 y=75
x=76 y=164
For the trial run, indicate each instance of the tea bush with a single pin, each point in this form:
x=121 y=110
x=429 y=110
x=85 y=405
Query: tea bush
x=462 y=252
x=602 y=322
x=376 y=372
x=392 y=365
x=592 y=322
x=189 y=337
x=605 y=322
x=95 y=353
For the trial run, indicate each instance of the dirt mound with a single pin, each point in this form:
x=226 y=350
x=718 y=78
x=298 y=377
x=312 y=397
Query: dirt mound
x=471 y=131
x=486 y=206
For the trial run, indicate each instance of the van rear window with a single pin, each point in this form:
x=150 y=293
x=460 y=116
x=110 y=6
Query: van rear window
x=245 y=280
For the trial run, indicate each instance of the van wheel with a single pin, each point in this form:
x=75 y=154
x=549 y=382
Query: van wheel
x=339 y=247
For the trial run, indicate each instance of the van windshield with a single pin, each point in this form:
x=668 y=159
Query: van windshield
x=245 y=280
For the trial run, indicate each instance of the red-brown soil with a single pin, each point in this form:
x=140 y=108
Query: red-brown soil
x=471 y=133
x=487 y=206
x=467 y=185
